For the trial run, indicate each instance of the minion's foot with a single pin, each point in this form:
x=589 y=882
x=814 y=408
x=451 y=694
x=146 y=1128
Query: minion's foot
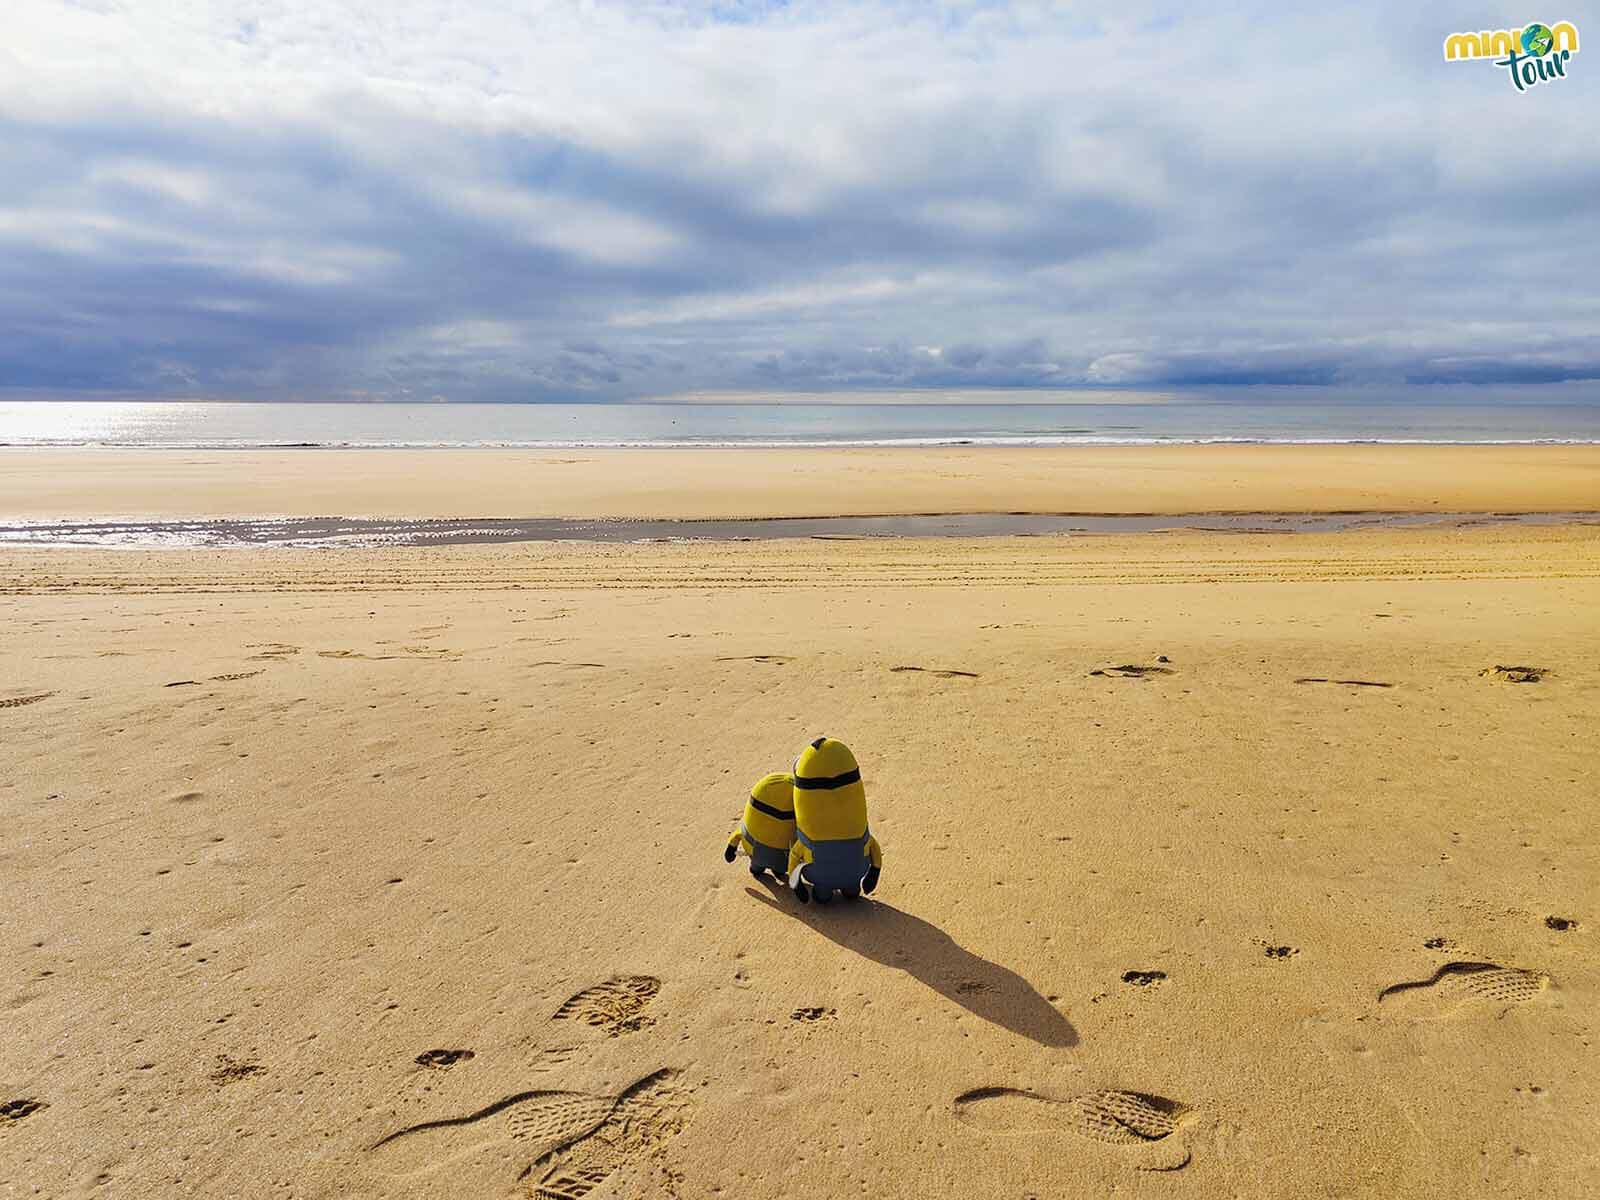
x=822 y=896
x=850 y=893
x=756 y=871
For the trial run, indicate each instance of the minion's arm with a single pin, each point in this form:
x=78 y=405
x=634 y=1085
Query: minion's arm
x=875 y=858
x=799 y=857
x=735 y=844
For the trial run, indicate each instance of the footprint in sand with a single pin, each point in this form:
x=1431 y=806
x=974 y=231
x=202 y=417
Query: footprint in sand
x=1516 y=674
x=940 y=672
x=615 y=1006
x=560 y=1144
x=19 y=701
x=811 y=1014
x=1144 y=979
x=443 y=1058
x=1463 y=987
x=17 y=1110
x=424 y=653
x=551 y=1058
x=1132 y=671
x=1345 y=682
x=1141 y=1126
x=231 y=1070
x=646 y=1116
x=272 y=650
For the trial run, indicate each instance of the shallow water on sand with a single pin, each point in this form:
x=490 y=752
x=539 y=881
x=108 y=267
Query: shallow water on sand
x=366 y=533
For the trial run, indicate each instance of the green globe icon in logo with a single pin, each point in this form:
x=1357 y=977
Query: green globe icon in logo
x=1537 y=40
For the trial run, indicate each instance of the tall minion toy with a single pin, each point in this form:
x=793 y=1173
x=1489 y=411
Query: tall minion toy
x=833 y=849
x=766 y=831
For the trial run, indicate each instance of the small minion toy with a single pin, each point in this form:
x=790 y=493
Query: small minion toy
x=767 y=829
x=833 y=849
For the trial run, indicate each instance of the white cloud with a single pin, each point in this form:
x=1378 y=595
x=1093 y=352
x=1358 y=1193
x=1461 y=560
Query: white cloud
x=583 y=228
x=1045 y=195
x=194 y=188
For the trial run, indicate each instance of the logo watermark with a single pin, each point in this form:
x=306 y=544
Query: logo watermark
x=1535 y=54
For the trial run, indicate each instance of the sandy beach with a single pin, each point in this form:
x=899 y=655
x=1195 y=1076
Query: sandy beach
x=1215 y=865
x=1116 y=495
x=728 y=483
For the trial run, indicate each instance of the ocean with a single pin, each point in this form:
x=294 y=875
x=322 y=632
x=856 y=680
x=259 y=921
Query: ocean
x=1565 y=414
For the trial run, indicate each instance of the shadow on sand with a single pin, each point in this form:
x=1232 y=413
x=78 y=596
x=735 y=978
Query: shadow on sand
x=928 y=954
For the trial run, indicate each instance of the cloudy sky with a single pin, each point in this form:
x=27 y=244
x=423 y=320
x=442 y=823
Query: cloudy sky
x=521 y=200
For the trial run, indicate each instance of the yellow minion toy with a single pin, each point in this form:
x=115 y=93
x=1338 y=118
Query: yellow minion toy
x=833 y=848
x=766 y=831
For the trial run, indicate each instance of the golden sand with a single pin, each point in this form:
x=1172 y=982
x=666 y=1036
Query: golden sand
x=766 y=483
x=1215 y=866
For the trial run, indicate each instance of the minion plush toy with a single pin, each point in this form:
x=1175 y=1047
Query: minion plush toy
x=833 y=849
x=767 y=830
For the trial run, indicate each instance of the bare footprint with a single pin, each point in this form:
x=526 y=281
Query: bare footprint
x=1139 y=1124
x=1463 y=986
x=615 y=1006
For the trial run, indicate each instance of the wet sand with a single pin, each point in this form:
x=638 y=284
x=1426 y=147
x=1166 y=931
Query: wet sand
x=746 y=483
x=1215 y=865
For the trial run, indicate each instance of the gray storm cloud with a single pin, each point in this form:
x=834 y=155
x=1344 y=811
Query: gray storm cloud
x=417 y=199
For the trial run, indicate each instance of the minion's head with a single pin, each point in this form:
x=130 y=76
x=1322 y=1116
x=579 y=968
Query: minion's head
x=829 y=800
x=824 y=763
x=769 y=813
x=775 y=794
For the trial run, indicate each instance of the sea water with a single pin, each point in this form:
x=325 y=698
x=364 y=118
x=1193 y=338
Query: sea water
x=1550 y=414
